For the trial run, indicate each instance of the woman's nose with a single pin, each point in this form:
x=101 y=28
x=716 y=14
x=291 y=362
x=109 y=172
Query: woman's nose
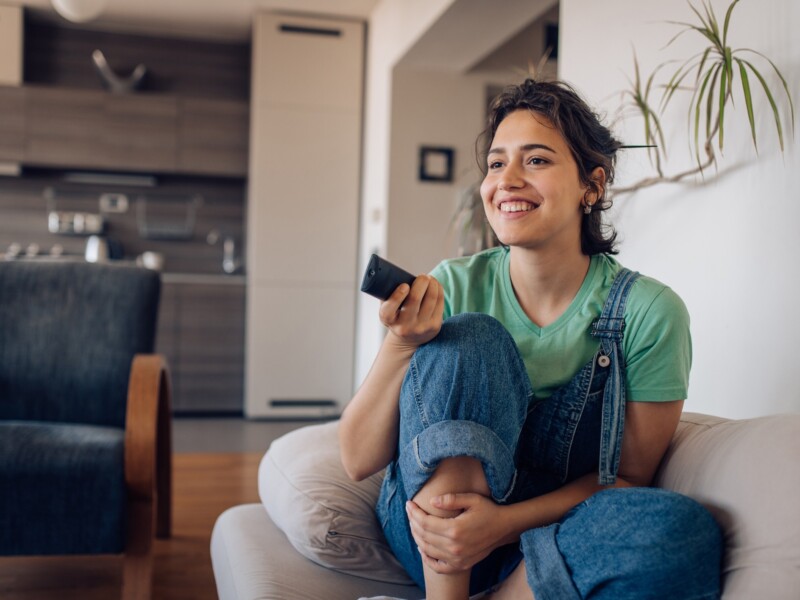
x=510 y=178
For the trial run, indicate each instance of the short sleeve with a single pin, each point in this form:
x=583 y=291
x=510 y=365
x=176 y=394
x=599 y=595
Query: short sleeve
x=657 y=345
x=444 y=276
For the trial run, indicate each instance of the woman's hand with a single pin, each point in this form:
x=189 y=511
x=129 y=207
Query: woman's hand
x=458 y=543
x=414 y=315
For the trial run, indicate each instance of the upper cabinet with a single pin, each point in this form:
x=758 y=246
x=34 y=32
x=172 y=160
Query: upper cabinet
x=213 y=136
x=12 y=124
x=74 y=128
x=191 y=115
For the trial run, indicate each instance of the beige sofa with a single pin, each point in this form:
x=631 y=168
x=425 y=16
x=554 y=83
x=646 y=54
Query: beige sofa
x=315 y=537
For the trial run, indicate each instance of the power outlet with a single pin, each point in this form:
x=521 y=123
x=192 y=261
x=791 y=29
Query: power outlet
x=113 y=203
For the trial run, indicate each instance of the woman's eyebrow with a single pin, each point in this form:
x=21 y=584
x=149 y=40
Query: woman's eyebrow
x=525 y=148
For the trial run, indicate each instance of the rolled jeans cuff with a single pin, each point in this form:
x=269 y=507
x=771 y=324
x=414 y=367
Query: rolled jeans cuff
x=449 y=439
x=548 y=575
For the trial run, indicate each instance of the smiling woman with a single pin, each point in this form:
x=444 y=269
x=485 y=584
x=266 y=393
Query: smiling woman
x=472 y=400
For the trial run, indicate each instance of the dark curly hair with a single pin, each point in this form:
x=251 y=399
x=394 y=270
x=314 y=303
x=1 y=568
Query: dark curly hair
x=591 y=143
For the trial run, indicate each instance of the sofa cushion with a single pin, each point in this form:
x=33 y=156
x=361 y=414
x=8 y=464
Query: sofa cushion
x=63 y=488
x=253 y=560
x=745 y=472
x=327 y=517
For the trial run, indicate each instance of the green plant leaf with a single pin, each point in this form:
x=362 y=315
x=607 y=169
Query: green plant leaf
x=728 y=57
x=698 y=104
x=674 y=84
x=712 y=20
x=780 y=76
x=710 y=100
x=727 y=22
x=686 y=27
x=706 y=25
x=775 y=111
x=748 y=101
x=704 y=31
x=702 y=64
x=723 y=94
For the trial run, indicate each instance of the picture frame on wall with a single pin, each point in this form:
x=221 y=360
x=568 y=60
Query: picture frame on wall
x=436 y=163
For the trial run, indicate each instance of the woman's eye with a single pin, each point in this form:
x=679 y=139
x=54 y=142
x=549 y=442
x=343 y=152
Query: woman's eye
x=535 y=160
x=495 y=164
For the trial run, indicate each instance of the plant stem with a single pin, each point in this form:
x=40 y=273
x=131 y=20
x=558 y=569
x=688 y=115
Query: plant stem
x=650 y=181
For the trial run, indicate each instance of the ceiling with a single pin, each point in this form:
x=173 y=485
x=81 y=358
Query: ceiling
x=208 y=19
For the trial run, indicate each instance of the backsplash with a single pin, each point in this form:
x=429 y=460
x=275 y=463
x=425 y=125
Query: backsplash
x=188 y=220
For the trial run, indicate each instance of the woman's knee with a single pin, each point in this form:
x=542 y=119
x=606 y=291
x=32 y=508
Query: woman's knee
x=642 y=540
x=471 y=371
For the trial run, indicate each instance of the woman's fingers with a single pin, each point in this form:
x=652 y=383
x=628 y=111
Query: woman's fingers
x=411 y=313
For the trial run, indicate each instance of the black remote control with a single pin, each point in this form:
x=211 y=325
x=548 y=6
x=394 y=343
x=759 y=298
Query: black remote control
x=382 y=277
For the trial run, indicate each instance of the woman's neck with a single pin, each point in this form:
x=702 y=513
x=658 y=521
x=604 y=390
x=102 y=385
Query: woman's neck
x=545 y=283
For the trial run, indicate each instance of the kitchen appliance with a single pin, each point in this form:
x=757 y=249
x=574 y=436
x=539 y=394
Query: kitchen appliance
x=96 y=249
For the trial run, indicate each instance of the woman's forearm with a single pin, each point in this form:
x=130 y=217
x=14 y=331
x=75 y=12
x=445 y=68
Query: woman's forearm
x=369 y=426
x=551 y=507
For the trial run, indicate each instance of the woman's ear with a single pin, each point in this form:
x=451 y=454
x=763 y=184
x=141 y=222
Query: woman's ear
x=599 y=178
x=598 y=185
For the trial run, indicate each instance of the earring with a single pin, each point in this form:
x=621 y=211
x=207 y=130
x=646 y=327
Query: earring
x=587 y=209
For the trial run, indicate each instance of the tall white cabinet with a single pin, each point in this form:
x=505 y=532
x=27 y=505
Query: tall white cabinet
x=303 y=198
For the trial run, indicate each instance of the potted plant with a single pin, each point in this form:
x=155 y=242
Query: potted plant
x=710 y=76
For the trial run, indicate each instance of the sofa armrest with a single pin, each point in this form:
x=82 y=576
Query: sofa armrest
x=745 y=472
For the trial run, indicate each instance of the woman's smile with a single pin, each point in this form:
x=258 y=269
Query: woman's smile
x=517 y=206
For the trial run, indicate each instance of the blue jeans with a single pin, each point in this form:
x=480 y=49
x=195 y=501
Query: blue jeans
x=467 y=393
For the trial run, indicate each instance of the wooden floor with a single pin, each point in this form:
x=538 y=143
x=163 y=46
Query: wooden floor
x=204 y=485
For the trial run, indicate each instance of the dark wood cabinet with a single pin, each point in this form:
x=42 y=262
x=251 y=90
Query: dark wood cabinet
x=12 y=123
x=201 y=332
x=213 y=137
x=94 y=129
x=141 y=131
x=64 y=128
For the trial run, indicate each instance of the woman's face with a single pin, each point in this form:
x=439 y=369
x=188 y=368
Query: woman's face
x=531 y=193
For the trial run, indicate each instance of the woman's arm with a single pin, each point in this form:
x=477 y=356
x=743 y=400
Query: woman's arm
x=450 y=545
x=369 y=426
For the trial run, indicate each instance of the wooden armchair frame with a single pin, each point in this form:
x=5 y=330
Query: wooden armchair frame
x=148 y=470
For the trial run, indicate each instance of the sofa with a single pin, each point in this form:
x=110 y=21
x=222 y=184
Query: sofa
x=314 y=535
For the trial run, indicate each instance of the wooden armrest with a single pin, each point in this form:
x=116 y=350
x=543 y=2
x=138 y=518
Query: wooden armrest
x=148 y=439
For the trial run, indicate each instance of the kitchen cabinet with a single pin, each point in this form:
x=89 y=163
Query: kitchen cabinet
x=96 y=129
x=140 y=131
x=93 y=129
x=201 y=332
x=303 y=221
x=12 y=123
x=213 y=136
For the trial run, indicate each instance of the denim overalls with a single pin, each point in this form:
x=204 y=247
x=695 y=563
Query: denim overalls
x=467 y=393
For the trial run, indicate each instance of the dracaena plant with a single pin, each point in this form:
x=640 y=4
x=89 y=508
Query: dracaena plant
x=711 y=76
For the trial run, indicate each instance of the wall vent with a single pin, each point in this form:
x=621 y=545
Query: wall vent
x=311 y=30
x=302 y=403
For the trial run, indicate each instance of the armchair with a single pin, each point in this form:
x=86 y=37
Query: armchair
x=85 y=450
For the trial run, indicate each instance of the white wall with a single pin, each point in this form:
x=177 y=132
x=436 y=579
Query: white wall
x=445 y=35
x=433 y=109
x=394 y=26
x=729 y=247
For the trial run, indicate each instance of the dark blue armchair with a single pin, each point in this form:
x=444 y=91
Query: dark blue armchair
x=85 y=450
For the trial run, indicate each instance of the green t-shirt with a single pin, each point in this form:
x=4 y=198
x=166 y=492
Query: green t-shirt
x=657 y=345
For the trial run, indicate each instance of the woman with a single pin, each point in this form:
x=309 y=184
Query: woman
x=524 y=396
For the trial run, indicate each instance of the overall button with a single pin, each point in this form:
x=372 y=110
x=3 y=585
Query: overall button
x=603 y=360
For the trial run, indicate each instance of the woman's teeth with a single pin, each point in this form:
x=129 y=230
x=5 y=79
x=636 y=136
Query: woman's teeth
x=516 y=206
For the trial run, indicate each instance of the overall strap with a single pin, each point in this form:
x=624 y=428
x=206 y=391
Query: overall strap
x=610 y=328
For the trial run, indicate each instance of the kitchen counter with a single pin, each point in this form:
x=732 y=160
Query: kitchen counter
x=203 y=278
